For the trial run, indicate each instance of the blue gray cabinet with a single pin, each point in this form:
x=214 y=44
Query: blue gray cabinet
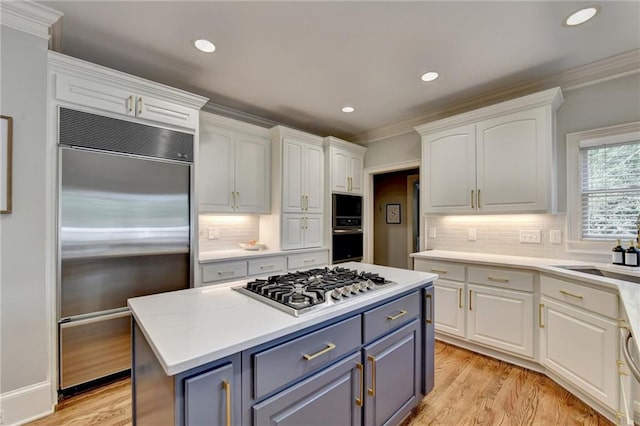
x=208 y=398
x=392 y=375
x=331 y=397
x=428 y=340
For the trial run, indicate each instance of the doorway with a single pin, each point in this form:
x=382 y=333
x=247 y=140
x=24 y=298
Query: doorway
x=395 y=217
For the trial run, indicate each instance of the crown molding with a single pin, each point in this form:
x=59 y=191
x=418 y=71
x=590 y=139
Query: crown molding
x=228 y=123
x=239 y=115
x=617 y=66
x=280 y=131
x=28 y=17
x=330 y=141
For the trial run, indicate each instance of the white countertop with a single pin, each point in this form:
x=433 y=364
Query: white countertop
x=192 y=327
x=629 y=292
x=240 y=254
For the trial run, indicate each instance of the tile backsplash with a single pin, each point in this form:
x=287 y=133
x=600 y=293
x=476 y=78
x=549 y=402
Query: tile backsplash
x=498 y=234
x=229 y=231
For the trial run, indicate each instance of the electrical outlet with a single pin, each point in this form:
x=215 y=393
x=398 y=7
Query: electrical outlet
x=530 y=236
x=432 y=232
x=472 y=234
x=555 y=236
x=214 y=233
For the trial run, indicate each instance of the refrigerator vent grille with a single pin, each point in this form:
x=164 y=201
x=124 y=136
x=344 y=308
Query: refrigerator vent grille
x=109 y=134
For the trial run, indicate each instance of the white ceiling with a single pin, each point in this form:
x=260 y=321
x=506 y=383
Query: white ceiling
x=298 y=63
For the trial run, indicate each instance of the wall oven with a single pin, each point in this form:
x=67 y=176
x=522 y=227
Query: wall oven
x=347 y=242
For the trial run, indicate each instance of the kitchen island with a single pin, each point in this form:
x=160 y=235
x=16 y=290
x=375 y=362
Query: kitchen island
x=214 y=353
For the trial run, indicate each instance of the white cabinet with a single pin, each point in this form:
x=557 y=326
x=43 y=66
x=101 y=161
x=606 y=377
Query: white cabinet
x=233 y=168
x=449 y=307
x=346 y=161
x=116 y=97
x=302 y=177
x=300 y=231
x=499 y=159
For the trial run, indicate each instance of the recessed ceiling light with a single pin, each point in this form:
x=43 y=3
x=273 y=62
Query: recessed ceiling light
x=581 y=16
x=429 y=76
x=204 y=45
x=348 y=109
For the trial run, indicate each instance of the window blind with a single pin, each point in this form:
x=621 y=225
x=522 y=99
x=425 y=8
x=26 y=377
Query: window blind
x=610 y=190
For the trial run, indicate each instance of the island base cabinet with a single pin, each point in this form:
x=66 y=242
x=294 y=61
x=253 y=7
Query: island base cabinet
x=392 y=376
x=331 y=397
x=209 y=398
x=581 y=348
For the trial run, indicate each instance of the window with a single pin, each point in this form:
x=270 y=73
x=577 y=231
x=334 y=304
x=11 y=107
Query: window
x=603 y=183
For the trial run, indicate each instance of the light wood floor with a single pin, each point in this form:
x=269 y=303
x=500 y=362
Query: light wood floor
x=470 y=389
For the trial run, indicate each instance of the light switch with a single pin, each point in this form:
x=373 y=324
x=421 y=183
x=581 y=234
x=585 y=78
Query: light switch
x=555 y=236
x=214 y=233
x=473 y=234
x=432 y=232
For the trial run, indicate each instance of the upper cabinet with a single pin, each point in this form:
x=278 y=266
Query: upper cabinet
x=100 y=89
x=345 y=162
x=498 y=159
x=233 y=167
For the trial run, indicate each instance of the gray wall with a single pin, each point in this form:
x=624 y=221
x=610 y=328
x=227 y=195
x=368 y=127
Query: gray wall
x=24 y=312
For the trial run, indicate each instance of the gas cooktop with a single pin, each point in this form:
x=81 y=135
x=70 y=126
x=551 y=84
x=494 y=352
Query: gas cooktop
x=306 y=291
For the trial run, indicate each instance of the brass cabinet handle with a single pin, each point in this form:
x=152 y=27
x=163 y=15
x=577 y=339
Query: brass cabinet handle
x=233 y=200
x=237 y=200
x=310 y=260
x=499 y=280
x=131 y=103
x=566 y=293
x=139 y=105
x=620 y=364
x=329 y=348
x=398 y=315
x=227 y=389
x=430 y=299
x=472 y=204
x=626 y=352
x=540 y=313
x=479 y=203
x=470 y=300
x=266 y=266
x=438 y=271
x=302 y=202
x=225 y=273
x=460 y=298
x=360 y=369
x=372 y=390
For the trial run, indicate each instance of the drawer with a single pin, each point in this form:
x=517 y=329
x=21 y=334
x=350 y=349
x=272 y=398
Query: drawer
x=224 y=271
x=267 y=266
x=503 y=278
x=285 y=363
x=385 y=318
x=448 y=271
x=598 y=301
x=307 y=260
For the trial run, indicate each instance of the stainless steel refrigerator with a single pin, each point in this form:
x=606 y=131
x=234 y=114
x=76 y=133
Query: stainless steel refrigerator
x=125 y=205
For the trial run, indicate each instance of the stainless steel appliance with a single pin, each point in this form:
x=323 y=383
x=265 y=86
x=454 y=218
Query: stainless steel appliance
x=302 y=292
x=347 y=235
x=125 y=209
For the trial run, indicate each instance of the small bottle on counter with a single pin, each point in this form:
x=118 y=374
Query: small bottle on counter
x=631 y=255
x=617 y=255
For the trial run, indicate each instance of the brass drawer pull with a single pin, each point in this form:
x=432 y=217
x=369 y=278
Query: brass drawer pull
x=360 y=369
x=266 y=266
x=540 y=313
x=225 y=272
x=430 y=299
x=140 y=106
x=498 y=280
x=470 y=292
x=329 y=348
x=460 y=298
x=227 y=389
x=398 y=315
x=372 y=389
x=566 y=293
x=438 y=271
x=309 y=260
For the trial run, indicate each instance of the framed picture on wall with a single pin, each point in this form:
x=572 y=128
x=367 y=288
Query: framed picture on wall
x=6 y=140
x=393 y=213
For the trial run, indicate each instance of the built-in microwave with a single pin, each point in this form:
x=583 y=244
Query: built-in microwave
x=347 y=211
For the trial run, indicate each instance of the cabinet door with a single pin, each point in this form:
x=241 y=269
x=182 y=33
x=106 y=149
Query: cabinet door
x=392 y=375
x=356 y=162
x=313 y=175
x=313 y=231
x=449 y=307
x=339 y=170
x=292 y=170
x=165 y=112
x=448 y=160
x=95 y=95
x=252 y=176
x=292 y=231
x=216 y=170
x=327 y=398
x=428 y=340
x=512 y=165
x=501 y=318
x=581 y=348
x=212 y=397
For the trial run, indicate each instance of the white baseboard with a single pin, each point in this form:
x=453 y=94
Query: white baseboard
x=26 y=404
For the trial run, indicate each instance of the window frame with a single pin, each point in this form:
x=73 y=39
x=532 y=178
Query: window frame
x=600 y=136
